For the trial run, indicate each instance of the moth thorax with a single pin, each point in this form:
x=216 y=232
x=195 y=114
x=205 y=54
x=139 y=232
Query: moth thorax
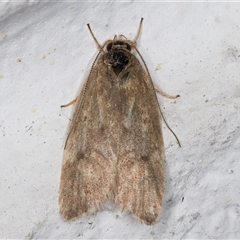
x=118 y=59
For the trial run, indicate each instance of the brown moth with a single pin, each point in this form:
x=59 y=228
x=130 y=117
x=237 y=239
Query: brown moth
x=114 y=149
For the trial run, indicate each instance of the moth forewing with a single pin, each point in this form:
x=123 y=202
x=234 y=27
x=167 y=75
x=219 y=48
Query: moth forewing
x=114 y=150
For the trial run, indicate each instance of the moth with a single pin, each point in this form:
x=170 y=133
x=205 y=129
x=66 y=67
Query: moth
x=114 y=150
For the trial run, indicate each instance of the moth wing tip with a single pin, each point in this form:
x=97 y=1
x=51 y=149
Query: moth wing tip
x=147 y=218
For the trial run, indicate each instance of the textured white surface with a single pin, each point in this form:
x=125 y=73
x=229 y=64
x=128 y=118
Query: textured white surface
x=46 y=52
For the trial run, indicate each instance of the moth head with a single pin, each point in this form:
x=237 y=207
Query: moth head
x=118 y=55
x=118 y=44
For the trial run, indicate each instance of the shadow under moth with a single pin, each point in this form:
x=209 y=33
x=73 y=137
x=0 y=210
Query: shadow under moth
x=114 y=149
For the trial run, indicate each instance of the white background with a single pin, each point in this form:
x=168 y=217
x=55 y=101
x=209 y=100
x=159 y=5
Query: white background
x=191 y=49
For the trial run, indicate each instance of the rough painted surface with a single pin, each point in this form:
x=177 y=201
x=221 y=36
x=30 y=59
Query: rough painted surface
x=191 y=49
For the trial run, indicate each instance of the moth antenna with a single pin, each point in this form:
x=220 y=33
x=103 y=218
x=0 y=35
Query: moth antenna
x=163 y=94
x=96 y=41
x=179 y=144
x=138 y=33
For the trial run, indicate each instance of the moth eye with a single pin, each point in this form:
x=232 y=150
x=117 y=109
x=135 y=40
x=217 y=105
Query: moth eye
x=109 y=46
x=128 y=47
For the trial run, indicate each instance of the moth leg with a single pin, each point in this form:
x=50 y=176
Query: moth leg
x=169 y=97
x=165 y=94
x=70 y=103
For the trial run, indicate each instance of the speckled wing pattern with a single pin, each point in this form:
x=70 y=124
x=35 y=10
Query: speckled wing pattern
x=140 y=166
x=114 y=150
